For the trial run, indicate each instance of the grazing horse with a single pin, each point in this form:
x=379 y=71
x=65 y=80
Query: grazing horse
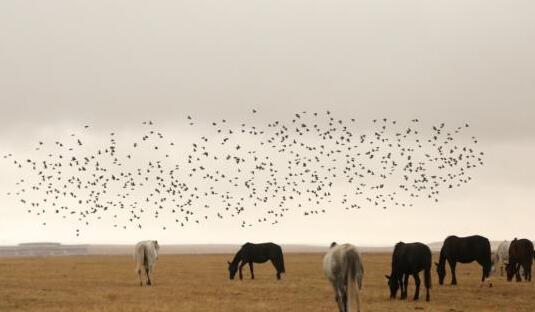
x=146 y=254
x=409 y=259
x=343 y=267
x=257 y=253
x=501 y=257
x=520 y=254
x=464 y=250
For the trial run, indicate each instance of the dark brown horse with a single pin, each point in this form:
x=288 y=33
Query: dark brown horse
x=464 y=250
x=410 y=259
x=520 y=255
x=251 y=253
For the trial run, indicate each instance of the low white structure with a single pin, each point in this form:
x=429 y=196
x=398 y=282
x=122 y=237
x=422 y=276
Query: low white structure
x=43 y=250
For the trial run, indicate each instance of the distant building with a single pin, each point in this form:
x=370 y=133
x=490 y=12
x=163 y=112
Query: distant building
x=43 y=250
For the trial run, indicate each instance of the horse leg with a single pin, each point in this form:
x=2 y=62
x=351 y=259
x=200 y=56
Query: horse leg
x=528 y=269
x=401 y=287
x=336 y=295
x=452 y=264
x=417 y=283
x=139 y=275
x=404 y=287
x=251 y=269
x=339 y=296
x=241 y=267
x=427 y=283
x=358 y=298
x=525 y=267
x=517 y=271
x=487 y=268
x=276 y=268
x=344 y=294
x=147 y=270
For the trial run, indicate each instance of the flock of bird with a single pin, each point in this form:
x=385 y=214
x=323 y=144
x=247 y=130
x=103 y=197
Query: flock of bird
x=305 y=165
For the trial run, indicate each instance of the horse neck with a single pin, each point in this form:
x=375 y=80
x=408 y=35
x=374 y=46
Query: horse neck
x=237 y=258
x=442 y=258
x=394 y=273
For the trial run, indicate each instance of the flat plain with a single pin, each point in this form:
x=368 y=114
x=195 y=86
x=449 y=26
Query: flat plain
x=200 y=283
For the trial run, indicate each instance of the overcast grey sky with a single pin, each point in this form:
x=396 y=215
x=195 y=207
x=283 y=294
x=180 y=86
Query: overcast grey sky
x=115 y=63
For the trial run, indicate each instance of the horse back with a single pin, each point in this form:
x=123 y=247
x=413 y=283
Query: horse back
x=467 y=249
x=260 y=252
x=521 y=250
x=410 y=258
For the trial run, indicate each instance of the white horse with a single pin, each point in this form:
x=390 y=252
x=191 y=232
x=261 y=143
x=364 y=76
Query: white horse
x=145 y=255
x=501 y=257
x=343 y=267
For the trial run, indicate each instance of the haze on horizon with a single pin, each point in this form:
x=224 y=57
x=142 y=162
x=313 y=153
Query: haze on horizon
x=114 y=64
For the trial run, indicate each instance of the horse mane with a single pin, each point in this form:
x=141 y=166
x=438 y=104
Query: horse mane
x=442 y=258
x=237 y=257
x=395 y=255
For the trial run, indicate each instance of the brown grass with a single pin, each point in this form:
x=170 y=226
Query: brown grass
x=200 y=283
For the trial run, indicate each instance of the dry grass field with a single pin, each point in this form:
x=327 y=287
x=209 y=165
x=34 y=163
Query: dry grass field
x=200 y=283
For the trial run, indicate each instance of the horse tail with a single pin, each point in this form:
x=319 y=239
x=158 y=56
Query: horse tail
x=353 y=290
x=281 y=262
x=145 y=258
x=427 y=278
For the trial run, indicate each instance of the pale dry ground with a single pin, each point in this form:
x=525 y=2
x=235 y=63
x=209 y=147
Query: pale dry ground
x=200 y=283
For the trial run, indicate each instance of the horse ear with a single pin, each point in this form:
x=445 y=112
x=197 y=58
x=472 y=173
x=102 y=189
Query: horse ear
x=387 y=277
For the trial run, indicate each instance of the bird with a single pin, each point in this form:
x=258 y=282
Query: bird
x=257 y=172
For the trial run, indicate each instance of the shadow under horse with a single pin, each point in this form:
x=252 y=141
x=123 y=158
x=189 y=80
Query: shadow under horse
x=464 y=250
x=251 y=253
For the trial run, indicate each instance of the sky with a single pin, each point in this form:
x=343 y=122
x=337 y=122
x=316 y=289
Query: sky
x=113 y=64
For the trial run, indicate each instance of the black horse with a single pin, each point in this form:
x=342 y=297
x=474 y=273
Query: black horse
x=257 y=253
x=464 y=250
x=410 y=259
x=520 y=254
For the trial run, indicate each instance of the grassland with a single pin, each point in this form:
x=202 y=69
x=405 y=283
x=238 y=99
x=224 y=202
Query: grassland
x=200 y=283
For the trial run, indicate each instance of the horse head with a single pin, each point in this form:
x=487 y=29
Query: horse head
x=510 y=271
x=441 y=271
x=156 y=247
x=232 y=269
x=393 y=284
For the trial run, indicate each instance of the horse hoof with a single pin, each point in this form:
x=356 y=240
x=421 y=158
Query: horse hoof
x=490 y=285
